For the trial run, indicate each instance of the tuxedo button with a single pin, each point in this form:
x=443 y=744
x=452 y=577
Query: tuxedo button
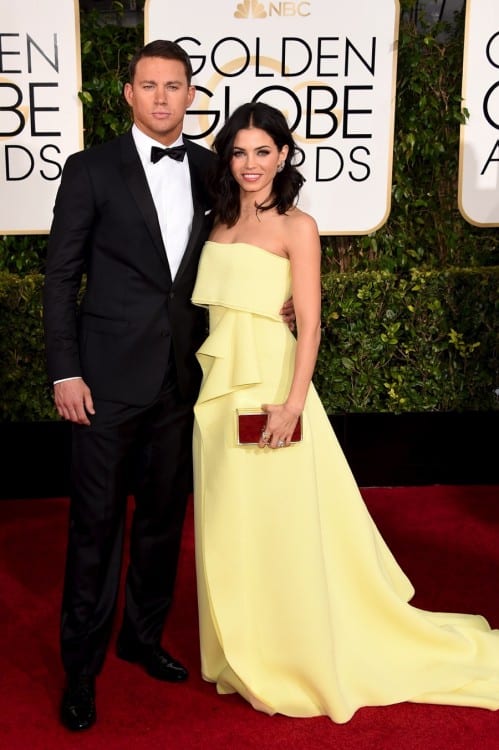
x=171 y=295
x=164 y=334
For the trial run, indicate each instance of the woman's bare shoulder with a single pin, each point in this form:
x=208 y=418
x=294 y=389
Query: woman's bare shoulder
x=298 y=221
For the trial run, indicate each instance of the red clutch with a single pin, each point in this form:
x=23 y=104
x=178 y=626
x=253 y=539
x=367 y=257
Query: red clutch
x=251 y=424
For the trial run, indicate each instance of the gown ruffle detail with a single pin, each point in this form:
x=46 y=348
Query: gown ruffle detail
x=303 y=609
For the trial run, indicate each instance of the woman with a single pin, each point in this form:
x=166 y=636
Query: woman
x=303 y=609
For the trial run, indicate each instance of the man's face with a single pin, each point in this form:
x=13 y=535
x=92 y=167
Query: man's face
x=159 y=97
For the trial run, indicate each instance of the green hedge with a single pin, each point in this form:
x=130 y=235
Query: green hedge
x=428 y=341
x=25 y=394
x=425 y=342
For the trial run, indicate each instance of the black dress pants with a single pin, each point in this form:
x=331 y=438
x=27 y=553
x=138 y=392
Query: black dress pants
x=146 y=451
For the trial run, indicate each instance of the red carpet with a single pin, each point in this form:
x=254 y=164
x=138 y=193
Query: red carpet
x=445 y=537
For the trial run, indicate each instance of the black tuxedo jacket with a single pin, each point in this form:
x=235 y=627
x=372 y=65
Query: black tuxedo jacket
x=105 y=226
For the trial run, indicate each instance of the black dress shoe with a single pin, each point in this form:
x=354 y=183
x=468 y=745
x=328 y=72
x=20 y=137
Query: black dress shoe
x=156 y=661
x=78 y=703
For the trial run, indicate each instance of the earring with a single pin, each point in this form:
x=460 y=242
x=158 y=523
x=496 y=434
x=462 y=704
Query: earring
x=280 y=166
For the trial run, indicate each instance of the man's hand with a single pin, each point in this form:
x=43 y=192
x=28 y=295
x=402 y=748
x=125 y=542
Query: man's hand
x=73 y=400
x=287 y=312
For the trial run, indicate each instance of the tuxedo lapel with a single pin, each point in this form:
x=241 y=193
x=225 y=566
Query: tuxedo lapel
x=134 y=176
x=200 y=206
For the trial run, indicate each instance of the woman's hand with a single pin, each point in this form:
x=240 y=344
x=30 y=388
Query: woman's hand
x=281 y=423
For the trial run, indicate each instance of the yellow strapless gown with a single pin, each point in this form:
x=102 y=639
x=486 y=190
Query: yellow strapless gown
x=303 y=609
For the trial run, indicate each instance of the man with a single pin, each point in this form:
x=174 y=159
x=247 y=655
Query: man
x=124 y=369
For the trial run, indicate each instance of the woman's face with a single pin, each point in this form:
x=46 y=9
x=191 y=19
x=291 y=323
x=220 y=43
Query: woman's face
x=254 y=162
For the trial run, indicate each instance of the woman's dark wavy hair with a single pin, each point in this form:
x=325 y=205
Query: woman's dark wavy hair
x=287 y=183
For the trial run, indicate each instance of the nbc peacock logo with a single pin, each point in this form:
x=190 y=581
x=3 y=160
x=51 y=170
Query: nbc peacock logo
x=250 y=9
x=274 y=8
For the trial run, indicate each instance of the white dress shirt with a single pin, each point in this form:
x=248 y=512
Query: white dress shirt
x=170 y=185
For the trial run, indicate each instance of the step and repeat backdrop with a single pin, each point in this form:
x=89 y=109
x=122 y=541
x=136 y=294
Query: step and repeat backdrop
x=479 y=151
x=329 y=66
x=40 y=112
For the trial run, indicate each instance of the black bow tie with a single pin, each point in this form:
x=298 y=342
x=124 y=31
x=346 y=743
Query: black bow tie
x=177 y=153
